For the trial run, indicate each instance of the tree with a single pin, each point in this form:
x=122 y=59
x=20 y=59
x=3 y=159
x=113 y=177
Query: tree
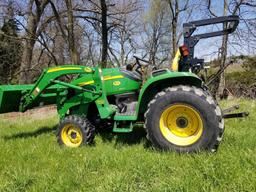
x=10 y=48
x=35 y=11
x=249 y=63
x=157 y=33
x=105 y=17
x=104 y=33
x=231 y=7
x=223 y=51
x=122 y=43
x=177 y=8
x=67 y=28
x=97 y=15
x=108 y=32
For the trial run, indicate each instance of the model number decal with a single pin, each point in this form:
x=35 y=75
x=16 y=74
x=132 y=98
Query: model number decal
x=116 y=83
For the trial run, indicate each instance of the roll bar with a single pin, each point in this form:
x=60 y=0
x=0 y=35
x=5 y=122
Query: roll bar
x=230 y=24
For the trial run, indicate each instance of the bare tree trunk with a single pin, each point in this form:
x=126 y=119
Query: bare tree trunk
x=28 y=47
x=153 y=44
x=175 y=12
x=26 y=63
x=122 y=52
x=31 y=36
x=223 y=54
x=174 y=37
x=174 y=28
x=219 y=85
x=71 y=35
x=68 y=31
x=104 y=33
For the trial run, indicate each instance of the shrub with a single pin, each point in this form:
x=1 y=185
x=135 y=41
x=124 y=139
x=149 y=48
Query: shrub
x=242 y=84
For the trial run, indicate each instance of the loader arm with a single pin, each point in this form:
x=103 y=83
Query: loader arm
x=48 y=78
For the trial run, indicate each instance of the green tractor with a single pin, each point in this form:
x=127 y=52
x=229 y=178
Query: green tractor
x=177 y=110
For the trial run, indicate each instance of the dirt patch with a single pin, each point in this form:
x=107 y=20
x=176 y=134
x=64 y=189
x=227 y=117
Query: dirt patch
x=37 y=113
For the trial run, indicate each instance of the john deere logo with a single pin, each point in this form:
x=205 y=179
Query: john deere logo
x=88 y=69
x=116 y=83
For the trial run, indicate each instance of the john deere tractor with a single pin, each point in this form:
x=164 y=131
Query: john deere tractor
x=176 y=108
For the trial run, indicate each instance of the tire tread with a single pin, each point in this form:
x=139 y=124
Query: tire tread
x=203 y=94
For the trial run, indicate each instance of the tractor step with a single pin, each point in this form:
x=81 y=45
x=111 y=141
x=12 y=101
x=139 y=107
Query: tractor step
x=125 y=117
x=124 y=129
x=129 y=114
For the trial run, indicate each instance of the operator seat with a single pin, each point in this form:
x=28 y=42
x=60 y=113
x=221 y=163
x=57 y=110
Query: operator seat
x=131 y=74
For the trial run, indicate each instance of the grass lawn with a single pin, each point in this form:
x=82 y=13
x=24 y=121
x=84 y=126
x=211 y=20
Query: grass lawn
x=31 y=160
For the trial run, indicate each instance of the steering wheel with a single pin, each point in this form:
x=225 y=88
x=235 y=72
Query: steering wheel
x=146 y=63
x=138 y=65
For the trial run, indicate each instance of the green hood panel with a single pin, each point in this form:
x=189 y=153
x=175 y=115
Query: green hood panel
x=114 y=81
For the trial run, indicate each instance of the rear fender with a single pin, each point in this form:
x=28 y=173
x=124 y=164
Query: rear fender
x=156 y=84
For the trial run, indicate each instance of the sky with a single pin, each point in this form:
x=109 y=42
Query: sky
x=208 y=48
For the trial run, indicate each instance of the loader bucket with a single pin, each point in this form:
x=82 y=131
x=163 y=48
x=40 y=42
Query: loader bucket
x=10 y=96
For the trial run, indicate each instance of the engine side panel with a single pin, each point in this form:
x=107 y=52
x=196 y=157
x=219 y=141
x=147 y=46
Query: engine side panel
x=115 y=82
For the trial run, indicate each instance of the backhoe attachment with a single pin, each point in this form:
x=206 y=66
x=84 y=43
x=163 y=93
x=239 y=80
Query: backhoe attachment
x=184 y=59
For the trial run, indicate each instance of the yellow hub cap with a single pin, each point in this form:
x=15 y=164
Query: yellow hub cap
x=71 y=135
x=181 y=125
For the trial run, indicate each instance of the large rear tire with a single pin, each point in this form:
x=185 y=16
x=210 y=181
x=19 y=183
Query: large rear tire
x=184 y=119
x=75 y=131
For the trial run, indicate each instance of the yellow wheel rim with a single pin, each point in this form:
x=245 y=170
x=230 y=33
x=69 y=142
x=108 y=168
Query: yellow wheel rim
x=71 y=135
x=181 y=125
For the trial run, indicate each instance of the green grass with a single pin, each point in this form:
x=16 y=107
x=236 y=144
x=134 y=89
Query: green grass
x=31 y=160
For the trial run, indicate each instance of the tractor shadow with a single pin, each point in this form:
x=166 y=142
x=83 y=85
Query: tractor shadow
x=137 y=136
x=36 y=133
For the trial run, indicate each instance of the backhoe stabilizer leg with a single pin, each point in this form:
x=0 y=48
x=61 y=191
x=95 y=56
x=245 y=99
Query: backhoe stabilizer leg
x=230 y=109
x=236 y=115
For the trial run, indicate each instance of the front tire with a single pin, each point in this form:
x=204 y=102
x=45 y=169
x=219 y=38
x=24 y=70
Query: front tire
x=75 y=131
x=184 y=119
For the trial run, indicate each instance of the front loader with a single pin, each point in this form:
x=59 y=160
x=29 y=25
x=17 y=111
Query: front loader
x=176 y=108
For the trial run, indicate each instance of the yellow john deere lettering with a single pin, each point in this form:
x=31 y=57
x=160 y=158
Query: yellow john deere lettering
x=106 y=78
x=61 y=69
x=86 y=83
x=113 y=77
